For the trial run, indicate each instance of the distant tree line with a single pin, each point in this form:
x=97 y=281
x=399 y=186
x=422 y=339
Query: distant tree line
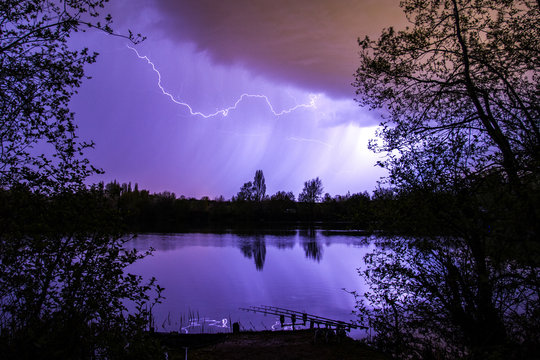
x=384 y=210
x=142 y=211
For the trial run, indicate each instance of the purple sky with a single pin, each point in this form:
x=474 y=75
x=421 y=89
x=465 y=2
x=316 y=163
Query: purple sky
x=209 y=53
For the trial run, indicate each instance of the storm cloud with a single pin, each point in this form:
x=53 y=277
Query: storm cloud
x=310 y=44
x=207 y=53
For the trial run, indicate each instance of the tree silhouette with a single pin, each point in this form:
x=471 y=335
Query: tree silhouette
x=64 y=290
x=312 y=191
x=283 y=196
x=458 y=91
x=38 y=76
x=259 y=186
x=253 y=191
x=245 y=193
x=462 y=79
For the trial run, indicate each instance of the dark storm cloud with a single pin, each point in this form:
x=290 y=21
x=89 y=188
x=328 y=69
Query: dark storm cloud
x=306 y=43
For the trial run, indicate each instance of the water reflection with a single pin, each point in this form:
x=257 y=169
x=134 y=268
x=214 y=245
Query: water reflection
x=215 y=274
x=313 y=250
x=254 y=246
x=309 y=232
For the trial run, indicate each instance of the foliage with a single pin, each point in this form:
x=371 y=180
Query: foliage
x=141 y=211
x=463 y=282
x=39 y=73
x=458 y=90
x=312 y=191
x=64 y=291
x=259 y=186
x=246 y=192
x=283 y=196
x=253 y=191
x=430 y=303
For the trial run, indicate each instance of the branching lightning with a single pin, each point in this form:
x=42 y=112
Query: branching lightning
x=224 y=112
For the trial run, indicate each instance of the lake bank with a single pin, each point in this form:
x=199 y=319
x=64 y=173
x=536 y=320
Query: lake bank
x=282 y=345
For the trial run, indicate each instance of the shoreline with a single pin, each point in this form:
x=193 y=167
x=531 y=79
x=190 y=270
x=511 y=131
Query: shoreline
x=282 y=344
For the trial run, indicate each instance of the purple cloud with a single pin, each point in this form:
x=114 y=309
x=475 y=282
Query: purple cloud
x=309 y=44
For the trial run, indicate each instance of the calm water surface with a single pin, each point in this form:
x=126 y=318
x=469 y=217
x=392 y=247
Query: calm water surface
x=208 y=277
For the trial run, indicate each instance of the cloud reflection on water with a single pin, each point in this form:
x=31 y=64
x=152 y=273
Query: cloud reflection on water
x=216 y=274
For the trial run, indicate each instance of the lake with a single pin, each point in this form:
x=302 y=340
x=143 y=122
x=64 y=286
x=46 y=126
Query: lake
x=208 y=277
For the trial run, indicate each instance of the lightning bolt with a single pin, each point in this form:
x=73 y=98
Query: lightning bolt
x=311 y=104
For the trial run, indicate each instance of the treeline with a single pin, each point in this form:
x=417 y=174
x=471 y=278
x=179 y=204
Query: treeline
x=405 y=212
x=143 y=211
